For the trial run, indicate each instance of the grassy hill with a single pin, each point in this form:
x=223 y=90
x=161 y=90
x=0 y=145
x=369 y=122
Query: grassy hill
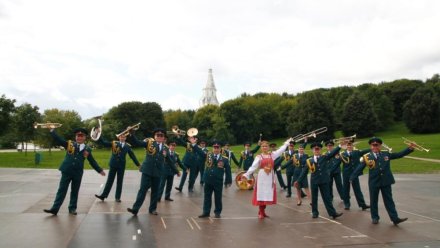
x=391 y=137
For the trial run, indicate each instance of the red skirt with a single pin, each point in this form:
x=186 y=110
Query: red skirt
x=263 y=203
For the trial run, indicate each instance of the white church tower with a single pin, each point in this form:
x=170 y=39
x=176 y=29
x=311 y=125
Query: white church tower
x=209 y=92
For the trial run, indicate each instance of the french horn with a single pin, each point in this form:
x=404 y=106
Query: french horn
x=95 y=133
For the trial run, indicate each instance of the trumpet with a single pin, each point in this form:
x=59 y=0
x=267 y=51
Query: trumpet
x=127 y=131
x=414 y=144
x=176 y=131
x=50 y=125
x=313 y=134
x=387 y=147
x=344 y=139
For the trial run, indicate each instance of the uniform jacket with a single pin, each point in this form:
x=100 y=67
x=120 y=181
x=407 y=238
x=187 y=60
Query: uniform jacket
x=350 y=162
x=319 y=170
x=216 y=169
x=117 y=160
x=155 y=159
x=247 y=158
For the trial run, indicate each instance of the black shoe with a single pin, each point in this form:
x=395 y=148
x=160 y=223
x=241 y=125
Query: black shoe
x=204 y=216
x=168 y=199
x=118 y=200
x=375 y=221
x=399 y=220
x=50 y=211
x=73 y=212
x=190 y=190
x=134 y=212
x=365 y=207
x=315 y=216
x=178 y=189
x=336 y=215
x=217 y=216
x=154 y=213
x=299 y=203
x=288 y=195
x=347 y=208
x=100 y=197
x=303 y=194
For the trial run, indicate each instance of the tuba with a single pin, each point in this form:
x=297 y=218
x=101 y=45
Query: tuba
x=244 y=183
x=49 y=125
x=95 y=133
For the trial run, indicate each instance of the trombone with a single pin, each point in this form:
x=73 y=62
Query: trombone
x=313 y=134
x=50 y=125
x=414 y=144
x=127 y=131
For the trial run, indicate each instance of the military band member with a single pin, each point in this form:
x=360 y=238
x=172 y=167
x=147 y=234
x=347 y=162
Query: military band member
x=201 y=160
x=191 y=160
x=170 y=169
x=277 y=164
x=287 y=157
x=226 y=152
x=217 y=169
x=247 y=156
x=156 y=155
x=350 y=161
x=299 y=160
x=117 y=165
x=317 y=165
x=380 y=178
x=265 y=186
x=72 y=169
x=334 y=169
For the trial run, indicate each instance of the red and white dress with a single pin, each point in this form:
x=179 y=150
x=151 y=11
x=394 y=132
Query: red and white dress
x=265 y=186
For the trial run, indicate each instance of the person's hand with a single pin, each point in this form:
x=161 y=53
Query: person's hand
x=244 y=178
x=187 y=170
x=296 y=184
x=288 y=141
x=102 y=173
x=412 y=145
x=178 y=174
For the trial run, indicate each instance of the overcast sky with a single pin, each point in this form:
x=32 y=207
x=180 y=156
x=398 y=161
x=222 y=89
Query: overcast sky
x=90 y=55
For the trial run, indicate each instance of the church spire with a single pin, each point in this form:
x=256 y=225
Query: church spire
x=209 y=92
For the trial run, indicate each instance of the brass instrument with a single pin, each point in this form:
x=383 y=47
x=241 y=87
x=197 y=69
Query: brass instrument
x=344 y=139
x=127 y=131
x=50 y=125
x=313 y=134
x=176 y=131
x=244 y=183
x=192 y=132
x=414 y=144
x=95 y=133
x=387 y=147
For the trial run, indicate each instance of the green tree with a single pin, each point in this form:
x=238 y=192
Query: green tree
x=422 y=111
x=358 y=116
x=24 y=118
x=7 y=107
x=313 y=111
x=181 y=118
x=203 y=121
x=382 y=105
x=399 y=92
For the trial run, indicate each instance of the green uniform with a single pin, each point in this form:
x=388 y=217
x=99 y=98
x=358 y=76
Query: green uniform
x=277 y=167
x=231 y=157
x=192 y=161
x=247 y=158
x=170 y=169
x=380 y=179
x=156 y=155
x=72 y=169
x=319 y=181
x=201 y=164
x=334 y=169
x=350 y=161
x=294 y=163
x=217 y=169
x=117 y=165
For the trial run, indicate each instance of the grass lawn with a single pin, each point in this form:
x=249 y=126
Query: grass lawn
x=391 y=137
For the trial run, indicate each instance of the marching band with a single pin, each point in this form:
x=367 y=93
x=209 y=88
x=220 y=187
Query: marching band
x=161 y=162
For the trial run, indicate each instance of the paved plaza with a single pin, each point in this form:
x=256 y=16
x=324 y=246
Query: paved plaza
x=24 y=193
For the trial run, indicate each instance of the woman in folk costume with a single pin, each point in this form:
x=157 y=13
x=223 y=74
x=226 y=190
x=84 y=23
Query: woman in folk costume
x=265 y=187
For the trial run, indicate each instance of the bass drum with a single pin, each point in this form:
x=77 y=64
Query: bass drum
x=244 y=183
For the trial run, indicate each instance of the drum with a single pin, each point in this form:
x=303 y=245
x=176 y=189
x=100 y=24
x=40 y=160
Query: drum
x=244 y=183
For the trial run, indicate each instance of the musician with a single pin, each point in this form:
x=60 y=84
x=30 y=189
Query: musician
x=156 y=155
x=247 y=156
x=170 y=169
x=217 y=169
x=350 y=161
x=191 y=160
x=299 y=161
x=265 y=187
x=380 y=178
x=226 y=152
x=334 y=168
x=277 y=164
x=201 y=160
x=317 y=165
x=72 y=169
x=117 y=165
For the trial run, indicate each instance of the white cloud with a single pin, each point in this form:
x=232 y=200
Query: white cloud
x=92 y=55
